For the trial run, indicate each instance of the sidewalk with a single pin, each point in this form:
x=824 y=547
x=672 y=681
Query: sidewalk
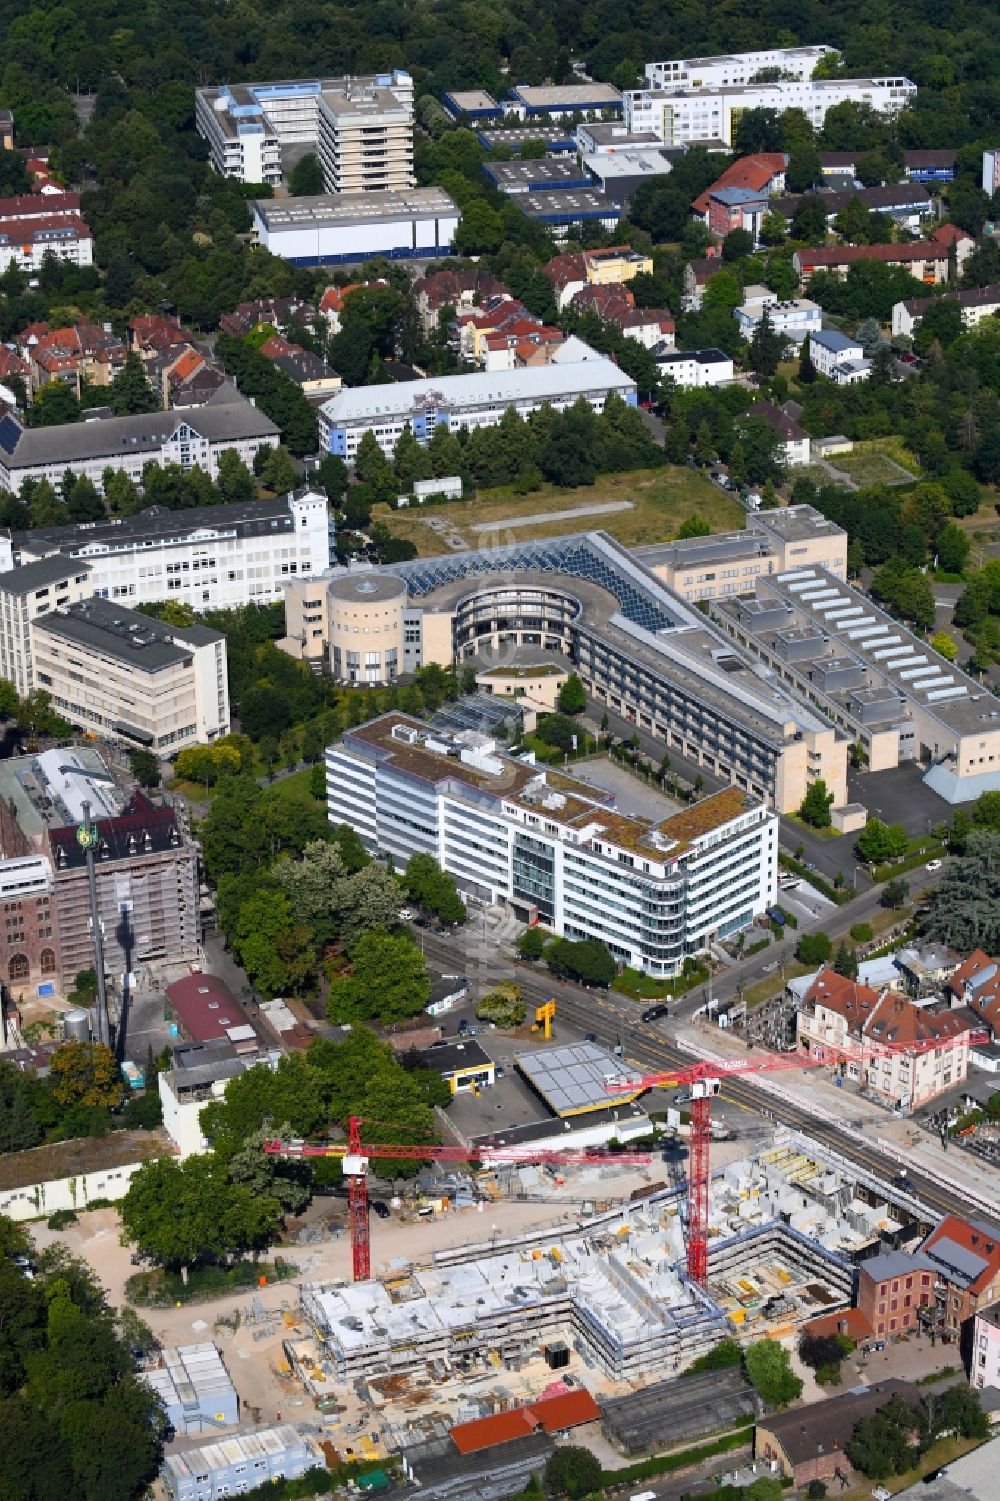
x=814 y=1089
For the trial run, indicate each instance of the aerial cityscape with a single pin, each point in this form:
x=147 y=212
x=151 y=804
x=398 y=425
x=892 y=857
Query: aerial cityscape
x=499 y=752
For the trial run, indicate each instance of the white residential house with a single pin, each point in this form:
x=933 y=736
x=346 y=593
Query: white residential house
x=694 y=367
x=839 y=358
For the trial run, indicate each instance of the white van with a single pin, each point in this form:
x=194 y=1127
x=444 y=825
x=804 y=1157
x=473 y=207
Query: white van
x=643 y=1496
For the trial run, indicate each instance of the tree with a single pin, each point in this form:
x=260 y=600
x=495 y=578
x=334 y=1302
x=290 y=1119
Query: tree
x=503 y=1006
x=882 y=1444
x=311 y=886
x=953 y=547
x=235 y=481
x=432 y=888
x=966 y=912
x=769 y=1370
x=571 y=1471
x=305 y=180
x=767 y=347
x=824 y=1353
x=813 y=948
x=757 y=130
x=388 y=980
x=278 y=472
x=816 y=1490
x=944 y=645
x=807 y=370
x=804 y=170
x=180 y=1213
x=894 y=894
x=879 y=842
x=815 y=807
x=85 y=1073
x=274 y=949
x=367 y=900
x=845 y=961
x=587 y=960
x=130 y=392
x=572 y=696
x=531 y=944
x=737 y=245
x=958 y=1410
x=809 y=220
x=693 y=526
x=145 y=767
x=54 y=405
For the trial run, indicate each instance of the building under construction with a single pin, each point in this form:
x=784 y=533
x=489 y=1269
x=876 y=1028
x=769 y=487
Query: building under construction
x=616 y=1290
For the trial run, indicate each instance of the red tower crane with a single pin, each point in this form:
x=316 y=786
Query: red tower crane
x=705 y=1080
x=356 y=1155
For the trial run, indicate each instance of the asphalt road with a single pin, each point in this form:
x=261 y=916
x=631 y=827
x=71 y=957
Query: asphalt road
x=615 y=1019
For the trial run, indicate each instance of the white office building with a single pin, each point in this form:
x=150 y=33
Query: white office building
x=25 y=594
x=682 y=115
x=334 y=229
x=125 y=676
x=735 y=67
x=209 y=557
x=554 y=849
x=188 y=437
x=793 y=317
x=249 y=125
x=468 y=401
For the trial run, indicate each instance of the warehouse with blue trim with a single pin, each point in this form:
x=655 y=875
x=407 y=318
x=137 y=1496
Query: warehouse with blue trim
x=334 y=229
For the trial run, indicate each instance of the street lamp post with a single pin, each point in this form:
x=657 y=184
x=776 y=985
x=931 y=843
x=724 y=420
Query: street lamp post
x=87 y=836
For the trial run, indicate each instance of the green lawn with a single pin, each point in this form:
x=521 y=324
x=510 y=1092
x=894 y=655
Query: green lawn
x=295 y=789
x=640 y=987
x=660 y=499
x=879 y=461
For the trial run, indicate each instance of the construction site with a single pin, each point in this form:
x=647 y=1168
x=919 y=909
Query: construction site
x=606 y=1304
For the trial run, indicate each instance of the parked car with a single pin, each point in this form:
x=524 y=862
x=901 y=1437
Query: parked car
x=380 y=1208
x=653 y=1013
x=934 y=865
x=404 y=914
x=590 y=1036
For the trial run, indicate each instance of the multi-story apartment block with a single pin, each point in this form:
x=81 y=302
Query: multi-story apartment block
x=986 y=1348
x=937 y=258
x=29 y=936
x=553 y=849
x=792 y=317
x=893 y=1288
x=247 y=125
x=209 y=557
x=131 y=678
x=189 y=438
x=39 y=224
x=830 y=646
x=685 y=114
x=365 y=141
x=965 y=1255
x=468 y=401
x=25 y=594
x=84 y=351
x=640 y=649
x=902 y=1054
x=146 y=870
x=976 y=304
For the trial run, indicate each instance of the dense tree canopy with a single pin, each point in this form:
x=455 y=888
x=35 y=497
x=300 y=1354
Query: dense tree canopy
x=76 y=1420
